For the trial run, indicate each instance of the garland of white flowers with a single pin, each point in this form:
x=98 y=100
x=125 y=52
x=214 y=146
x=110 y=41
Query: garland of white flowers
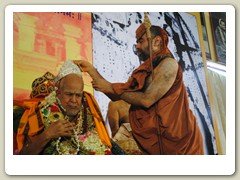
x=92 y=143
x=50 y=100
x=77 y=130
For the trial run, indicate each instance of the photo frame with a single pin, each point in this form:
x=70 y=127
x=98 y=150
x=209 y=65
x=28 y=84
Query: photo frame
x=119 y=165
x=205 y=35
x=218 y=24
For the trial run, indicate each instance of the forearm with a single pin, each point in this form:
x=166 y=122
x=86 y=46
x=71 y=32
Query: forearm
x=94 y=73
x=165 y=75
x=101 y=84
x=113 y=96
x=135 y=98
x=35 y=145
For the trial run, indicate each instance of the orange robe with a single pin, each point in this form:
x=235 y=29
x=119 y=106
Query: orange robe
x=31 y=122
x=168 y=126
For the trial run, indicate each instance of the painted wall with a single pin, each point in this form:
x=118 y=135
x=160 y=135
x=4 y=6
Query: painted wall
x=113 y=39
x=43 y=41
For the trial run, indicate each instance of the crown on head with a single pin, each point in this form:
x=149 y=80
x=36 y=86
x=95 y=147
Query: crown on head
x=68 y=68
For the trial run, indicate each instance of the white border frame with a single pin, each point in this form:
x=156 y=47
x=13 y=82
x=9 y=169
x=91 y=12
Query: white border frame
x=121 y=165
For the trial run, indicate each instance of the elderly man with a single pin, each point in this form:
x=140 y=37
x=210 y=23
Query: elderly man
x=67 y=121
x=160 y=117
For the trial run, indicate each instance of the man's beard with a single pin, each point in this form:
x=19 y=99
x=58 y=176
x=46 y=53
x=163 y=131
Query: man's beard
x=142 y=56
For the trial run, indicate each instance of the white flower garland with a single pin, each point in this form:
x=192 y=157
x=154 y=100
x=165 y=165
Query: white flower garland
x=87 y=143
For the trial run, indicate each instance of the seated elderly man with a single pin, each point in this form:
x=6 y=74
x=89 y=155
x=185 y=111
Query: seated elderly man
x=67 y=121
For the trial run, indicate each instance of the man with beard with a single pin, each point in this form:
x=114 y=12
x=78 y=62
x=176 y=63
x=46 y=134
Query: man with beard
x=160 y=117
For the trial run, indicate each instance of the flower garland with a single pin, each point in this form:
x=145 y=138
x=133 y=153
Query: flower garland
x=84 y=140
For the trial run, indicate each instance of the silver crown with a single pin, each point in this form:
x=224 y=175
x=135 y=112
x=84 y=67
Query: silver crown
x=68 y=68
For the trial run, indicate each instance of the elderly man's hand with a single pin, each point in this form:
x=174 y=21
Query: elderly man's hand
x=59 y=128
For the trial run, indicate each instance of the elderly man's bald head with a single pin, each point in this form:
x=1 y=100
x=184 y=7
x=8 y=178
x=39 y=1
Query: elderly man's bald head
x=70 y=80
x=70 y=92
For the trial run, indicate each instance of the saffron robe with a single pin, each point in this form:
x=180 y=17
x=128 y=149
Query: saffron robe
x=168 y=126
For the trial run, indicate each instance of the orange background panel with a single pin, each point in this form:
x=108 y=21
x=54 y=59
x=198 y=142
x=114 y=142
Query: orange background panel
x=43 y=41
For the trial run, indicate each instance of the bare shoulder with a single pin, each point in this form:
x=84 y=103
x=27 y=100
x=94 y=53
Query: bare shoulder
x=166 y=71
x=168 y=64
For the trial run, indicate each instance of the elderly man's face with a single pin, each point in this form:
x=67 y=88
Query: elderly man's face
x=70 y=94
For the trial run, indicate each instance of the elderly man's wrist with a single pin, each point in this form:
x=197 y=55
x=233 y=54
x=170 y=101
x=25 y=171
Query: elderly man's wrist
x=46 y=135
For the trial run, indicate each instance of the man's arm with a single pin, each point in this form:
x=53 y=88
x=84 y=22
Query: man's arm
x=99 y=83
x=35 y=144
x=164 y=77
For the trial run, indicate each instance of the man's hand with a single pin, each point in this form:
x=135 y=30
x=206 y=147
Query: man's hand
x=99 y=83
x=85 y=66
x=59 y=128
